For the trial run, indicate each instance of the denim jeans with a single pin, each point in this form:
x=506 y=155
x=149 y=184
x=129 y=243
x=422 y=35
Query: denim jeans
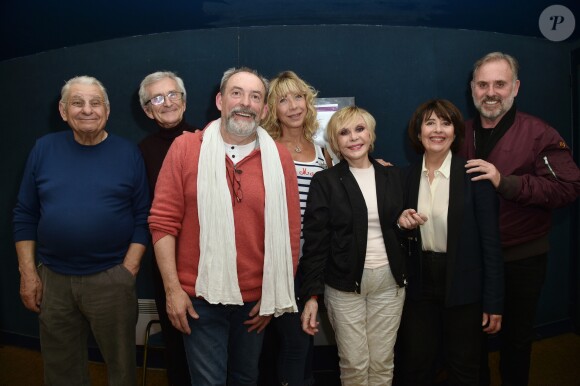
x=287 y=354
x=220 y=350
x=294 y=349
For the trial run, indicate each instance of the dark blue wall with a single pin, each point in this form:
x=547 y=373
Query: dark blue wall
x=389 y=70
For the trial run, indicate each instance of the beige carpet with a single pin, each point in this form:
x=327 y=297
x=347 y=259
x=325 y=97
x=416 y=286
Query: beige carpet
x=555 y=362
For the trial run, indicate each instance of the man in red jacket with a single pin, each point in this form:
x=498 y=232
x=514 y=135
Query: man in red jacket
x=532 y=169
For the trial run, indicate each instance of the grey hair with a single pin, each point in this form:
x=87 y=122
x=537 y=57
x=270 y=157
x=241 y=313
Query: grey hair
x=155 y=77
x=86 y=80
x=494 y=57
x=232 y=71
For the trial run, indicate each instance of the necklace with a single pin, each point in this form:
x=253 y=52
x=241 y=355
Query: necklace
x=294 y=146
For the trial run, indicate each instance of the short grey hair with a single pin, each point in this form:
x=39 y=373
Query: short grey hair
x=232 y=71
x=86 y=80
x=494 y=57
x=156 y=77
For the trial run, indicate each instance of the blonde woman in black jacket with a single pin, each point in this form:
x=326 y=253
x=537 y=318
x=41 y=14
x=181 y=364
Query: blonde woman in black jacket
x=352 y=255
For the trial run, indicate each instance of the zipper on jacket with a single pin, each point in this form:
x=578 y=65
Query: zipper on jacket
x=549 y=167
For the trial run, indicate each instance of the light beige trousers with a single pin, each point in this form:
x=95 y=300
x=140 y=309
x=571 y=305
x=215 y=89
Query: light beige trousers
x=365 y=327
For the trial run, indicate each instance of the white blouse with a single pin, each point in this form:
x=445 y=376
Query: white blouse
x=434 y=203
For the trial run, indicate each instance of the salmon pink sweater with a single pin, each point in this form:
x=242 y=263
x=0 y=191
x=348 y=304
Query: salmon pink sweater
x=174 y=212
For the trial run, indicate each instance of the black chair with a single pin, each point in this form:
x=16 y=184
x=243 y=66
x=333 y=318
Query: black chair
x=152 y=342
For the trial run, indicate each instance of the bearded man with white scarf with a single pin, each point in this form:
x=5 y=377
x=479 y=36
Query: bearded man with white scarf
x=225 y=224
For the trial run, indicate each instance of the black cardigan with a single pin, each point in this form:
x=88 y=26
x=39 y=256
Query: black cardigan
x=336 y=224
x=474 y=260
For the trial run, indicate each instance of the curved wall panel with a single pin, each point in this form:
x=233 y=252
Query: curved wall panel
x=389 y=71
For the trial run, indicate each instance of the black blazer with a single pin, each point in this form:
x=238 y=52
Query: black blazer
x=336 y=224
x=474 y=259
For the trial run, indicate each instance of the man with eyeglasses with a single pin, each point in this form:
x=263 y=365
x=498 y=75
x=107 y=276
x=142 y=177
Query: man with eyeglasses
x=163 y=98
x=225 y=224
x=80 y=227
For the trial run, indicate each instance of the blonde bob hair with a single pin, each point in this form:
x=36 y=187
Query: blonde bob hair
x=344 y=117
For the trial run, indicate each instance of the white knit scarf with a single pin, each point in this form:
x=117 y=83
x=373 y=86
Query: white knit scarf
x=217 y=280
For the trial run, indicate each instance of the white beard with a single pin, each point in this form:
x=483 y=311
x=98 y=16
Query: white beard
x=241 y=129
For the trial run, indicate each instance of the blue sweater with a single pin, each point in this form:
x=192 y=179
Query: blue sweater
x=83 y=205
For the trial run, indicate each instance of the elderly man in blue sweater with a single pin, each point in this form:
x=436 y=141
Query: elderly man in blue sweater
x=80 y=227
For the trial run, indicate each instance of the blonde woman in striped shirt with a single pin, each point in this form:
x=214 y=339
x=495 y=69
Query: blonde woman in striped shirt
x=292 y=121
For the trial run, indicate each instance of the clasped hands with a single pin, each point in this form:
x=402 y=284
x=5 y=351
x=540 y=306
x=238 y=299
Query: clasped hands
x=411 y=219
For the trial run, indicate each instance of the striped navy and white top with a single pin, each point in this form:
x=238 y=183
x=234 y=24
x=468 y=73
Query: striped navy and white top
x=305 y=171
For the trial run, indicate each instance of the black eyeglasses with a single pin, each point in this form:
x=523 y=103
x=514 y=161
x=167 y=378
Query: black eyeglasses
x=236 y=182
x=160 y=99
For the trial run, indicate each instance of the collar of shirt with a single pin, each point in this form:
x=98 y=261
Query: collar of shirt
x=444 y=170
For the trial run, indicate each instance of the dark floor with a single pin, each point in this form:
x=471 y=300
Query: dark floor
x=555 y=362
